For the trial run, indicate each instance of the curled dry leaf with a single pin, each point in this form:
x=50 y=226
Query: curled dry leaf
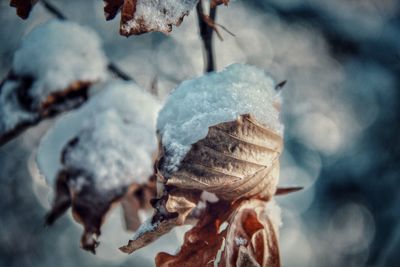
x=76 y=188
x=142 y=16
x=90 y=206
x=220 y=140
x=137 y=198
x=38 y=86
x=236 y=160
x=23 y=7
x=21 y=110
x=82 y=201
x=112 y=7
x=137 y=16
x=215 y=3
x=107 y=150
x=171 y=210
x=241 y=234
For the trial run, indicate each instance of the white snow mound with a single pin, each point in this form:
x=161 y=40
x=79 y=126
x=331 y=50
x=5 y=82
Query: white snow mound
x=116 y=131
x=158 y=15
x=57 y=54
x=212 y=99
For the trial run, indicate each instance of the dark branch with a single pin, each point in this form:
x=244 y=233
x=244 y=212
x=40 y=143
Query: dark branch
x=111 y=66
x=53 y=10
x=206 y=34
x=118 y=72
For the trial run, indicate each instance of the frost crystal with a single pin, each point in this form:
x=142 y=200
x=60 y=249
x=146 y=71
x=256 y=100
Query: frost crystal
x=145 y=227
x=219 y=253
x=157 y=15
x=240 y=241
x=212 y=99
x=116 y=138
x=57 y=54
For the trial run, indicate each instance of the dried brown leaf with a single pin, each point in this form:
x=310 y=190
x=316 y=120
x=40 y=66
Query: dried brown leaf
x=23 y=7
x=215 y=3
x=228 y=235
x=142 y=16
x=236 y=159
x=39 y=109
x=138 y=197
x=112 y=7
x=76 y=188
x=171 y=210
x=89 y=206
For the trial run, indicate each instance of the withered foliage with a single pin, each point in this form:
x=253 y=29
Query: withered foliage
x=136 y=198
x=112 y=7
x=23 y=7
x=21 y=100
x=76 y=188
x=238 y=161
x=134 y=23
x=131 y=23
x=215 y=3
x=228 y=235
x=172 y=209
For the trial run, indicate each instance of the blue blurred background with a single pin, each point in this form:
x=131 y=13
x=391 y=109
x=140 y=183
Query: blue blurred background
x=341 y=112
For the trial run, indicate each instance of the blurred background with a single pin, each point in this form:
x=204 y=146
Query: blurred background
x=341 y=112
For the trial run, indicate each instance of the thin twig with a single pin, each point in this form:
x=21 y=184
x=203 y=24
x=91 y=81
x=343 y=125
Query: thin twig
x=53 y=10
x=206 y=34
x=112 y=67
x=212 y=24
x=225 y=29
x=118 y=72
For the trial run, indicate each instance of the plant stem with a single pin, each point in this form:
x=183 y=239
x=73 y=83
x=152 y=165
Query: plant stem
x=206 y=34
